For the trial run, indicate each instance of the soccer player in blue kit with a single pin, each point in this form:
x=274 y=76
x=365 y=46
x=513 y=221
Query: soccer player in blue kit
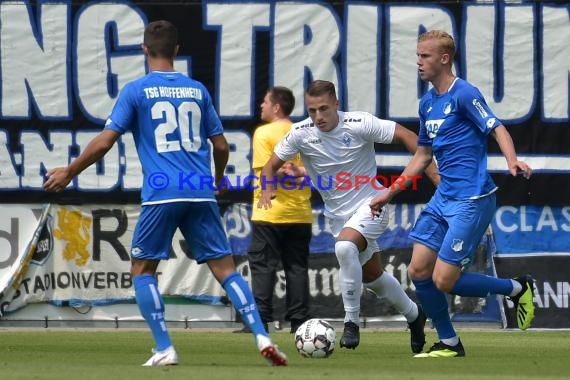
x=171 y=117
x=455 y=123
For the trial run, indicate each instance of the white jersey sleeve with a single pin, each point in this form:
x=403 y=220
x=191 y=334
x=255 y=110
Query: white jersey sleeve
x=375 y=129
x=289 y=146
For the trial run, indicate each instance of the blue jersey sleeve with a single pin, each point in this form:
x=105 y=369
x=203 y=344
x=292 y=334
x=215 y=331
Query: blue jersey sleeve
x=475 y=108
x=124 y=112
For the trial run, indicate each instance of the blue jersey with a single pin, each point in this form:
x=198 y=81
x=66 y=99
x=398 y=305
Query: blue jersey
x=171 y=117
x=456 y=125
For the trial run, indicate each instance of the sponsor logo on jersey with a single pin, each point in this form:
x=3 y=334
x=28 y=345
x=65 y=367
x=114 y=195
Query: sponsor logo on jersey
x=432 y=127
x=480 y=108
x=312 y=140
x=351 y=120
x=308 y=125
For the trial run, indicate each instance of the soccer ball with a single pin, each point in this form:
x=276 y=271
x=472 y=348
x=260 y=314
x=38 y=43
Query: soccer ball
x=315 y=339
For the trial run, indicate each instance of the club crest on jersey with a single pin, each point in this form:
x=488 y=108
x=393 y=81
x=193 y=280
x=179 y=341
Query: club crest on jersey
x=447 y=108
x=432 y=127
x=457 y=245
x=346 y=139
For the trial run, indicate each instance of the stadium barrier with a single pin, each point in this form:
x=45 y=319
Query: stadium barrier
x=76 y=257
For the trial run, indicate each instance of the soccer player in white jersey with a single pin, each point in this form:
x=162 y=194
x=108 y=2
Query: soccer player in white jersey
x=172 y=118
x=339 y=146
x=455 y=123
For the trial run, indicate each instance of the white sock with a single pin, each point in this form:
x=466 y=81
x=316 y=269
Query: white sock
x=517 y=287
x=262 y=341
x=350 y=275
x=386 y=286
x=451 y=341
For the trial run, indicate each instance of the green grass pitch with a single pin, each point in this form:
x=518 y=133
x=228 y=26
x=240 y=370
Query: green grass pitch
x=382 y=354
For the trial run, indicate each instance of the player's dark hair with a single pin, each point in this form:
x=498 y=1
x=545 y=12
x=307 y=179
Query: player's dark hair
x=321 y=87
x=284 y=97
x=161 y=39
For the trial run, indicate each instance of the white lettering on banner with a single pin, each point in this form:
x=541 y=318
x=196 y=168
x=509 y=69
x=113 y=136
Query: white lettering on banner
x=362 y=57
x=81 y=60
x=35 y=68
x=555 y=57
x=558 y=296
x=104 y=175
x=237 y=221
x=515 y=82
x=39 y=155
x=9 y=178
x=405 y=21
x=511 y=219
x=236 y=53
x=307 y=37
x=103 y=66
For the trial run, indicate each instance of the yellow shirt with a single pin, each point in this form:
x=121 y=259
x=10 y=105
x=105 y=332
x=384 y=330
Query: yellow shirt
x=289 y=206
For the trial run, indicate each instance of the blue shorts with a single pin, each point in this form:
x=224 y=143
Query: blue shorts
x=199 y=222
x=454 y=227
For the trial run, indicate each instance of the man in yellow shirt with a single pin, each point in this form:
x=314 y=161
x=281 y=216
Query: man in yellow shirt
x=282 y=233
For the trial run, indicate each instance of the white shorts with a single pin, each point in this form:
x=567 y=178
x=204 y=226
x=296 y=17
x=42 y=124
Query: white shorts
x=361 y=221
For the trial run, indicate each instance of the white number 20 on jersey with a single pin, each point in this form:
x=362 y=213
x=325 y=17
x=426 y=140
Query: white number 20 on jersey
x=172 y=121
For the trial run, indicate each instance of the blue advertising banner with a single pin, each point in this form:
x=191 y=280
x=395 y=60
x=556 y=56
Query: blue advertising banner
x=535 y=229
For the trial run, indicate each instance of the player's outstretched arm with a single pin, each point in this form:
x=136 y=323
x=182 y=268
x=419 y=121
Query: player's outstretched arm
x=268 y=179
x=409 y=139
x=59 y=178
x=503 y=138
x=417 y=165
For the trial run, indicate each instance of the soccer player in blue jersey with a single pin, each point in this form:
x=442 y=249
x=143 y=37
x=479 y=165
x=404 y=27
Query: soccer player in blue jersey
x=455 y=123
x=171 y=117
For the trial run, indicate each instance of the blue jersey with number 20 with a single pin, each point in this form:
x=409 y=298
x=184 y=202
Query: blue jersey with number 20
x=171 y=117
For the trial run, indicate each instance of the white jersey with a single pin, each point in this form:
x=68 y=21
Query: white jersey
x=338 y=159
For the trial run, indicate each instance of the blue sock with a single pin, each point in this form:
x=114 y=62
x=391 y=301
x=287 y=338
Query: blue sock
x=151 y=307
x=434 y=303
x=472 y=284
x=244 y=303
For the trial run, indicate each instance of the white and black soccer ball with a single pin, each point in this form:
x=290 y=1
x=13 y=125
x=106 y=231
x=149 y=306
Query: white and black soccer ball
x=315 y=339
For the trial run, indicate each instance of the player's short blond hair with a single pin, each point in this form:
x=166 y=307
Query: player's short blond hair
x=444 y=39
